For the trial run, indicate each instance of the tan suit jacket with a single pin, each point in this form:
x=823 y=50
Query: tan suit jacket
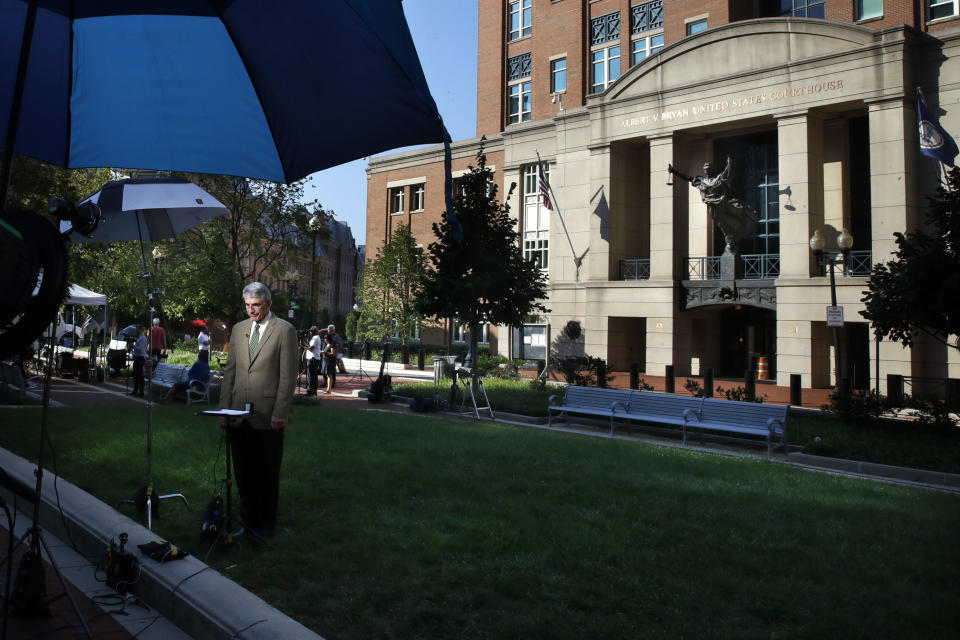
x=269 y=379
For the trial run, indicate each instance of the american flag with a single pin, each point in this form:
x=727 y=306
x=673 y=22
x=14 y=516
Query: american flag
x=544 y=188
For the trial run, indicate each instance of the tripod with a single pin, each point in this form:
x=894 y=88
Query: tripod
x=360 y=373
x=29 y=596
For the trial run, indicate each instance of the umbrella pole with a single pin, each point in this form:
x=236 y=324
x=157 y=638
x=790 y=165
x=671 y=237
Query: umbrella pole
x=148 y=362
x=13 y=121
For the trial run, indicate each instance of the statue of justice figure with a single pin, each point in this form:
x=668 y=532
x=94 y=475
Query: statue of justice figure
x=733 y=215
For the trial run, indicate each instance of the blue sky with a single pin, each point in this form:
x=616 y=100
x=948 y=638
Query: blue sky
x=445 y=34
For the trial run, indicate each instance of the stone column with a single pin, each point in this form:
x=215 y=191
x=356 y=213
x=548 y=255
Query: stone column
x=896 y=204
x=800 y=148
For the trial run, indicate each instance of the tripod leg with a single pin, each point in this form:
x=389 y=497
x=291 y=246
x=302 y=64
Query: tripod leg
x=56 y=570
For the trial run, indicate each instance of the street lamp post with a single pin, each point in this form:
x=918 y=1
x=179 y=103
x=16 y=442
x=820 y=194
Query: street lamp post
x=818 y=245
x=292 y=278
x=316 y=225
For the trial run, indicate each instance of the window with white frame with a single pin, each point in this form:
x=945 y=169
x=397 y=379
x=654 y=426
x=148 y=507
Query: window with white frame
x=558 y=75
x=943 y=9
x=866 y=9
x=396 y=200
x=416 y=197
x=696 y=26
x=605 y=68
x=645 y=46
x=520 y=18
x=519 y=101
x=536 y=218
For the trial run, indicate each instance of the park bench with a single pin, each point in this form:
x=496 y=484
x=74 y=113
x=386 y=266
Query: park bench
x=686 y=412
x=661 y=408
x=765 y=420
x=591 y=401
x=12 y=376
x=166 y=375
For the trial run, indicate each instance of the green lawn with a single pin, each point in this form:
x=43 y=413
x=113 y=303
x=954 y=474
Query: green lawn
x=405 y=526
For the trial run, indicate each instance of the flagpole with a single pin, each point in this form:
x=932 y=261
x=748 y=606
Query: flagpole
x=556 y=205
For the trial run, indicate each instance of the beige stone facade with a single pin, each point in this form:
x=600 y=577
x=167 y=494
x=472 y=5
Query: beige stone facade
x=820 y=120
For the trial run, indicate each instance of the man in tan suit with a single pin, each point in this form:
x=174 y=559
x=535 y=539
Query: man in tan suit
x=261 y=371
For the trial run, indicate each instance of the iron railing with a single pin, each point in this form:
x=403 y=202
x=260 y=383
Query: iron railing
x=761 y=266
x=636 y=269
x=859 y=263
x=703 y=268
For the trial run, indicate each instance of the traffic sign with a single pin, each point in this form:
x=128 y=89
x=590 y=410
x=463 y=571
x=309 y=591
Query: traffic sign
x=834 y=316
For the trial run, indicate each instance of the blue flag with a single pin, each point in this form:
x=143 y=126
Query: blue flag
x=934 y=141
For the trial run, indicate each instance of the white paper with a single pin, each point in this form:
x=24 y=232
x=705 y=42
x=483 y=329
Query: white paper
x=225 y=412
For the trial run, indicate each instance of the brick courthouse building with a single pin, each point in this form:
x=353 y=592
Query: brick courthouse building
x=814 y=101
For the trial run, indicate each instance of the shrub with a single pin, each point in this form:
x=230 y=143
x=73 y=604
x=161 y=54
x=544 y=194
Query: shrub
x=583 y=371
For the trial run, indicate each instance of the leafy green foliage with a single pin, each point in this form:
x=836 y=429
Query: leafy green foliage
x=389 y=286
x=483 y=276
x=583 y=371
x=901 y=300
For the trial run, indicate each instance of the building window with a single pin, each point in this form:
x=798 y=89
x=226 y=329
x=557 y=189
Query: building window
x=803 y=8
x=645 y=47
x=396 y=200
x=558 y=75
x=520 y=102
x=521 y=18
x=416 y=198
x=536 y=218
x=461 y=332
x=605 y=28
x=605 y=65
x=869 y=9
x=646 y=17
x=696 y=26
x=943 y=9
x=518 y=66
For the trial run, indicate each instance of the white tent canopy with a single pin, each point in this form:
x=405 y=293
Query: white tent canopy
x=80 y=295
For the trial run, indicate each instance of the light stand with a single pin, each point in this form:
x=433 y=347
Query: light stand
x=818 y=244
x=29 y=595
x=148 y=372
x=360 y=374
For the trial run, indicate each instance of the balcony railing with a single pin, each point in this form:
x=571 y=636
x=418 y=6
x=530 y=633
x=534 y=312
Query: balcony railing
x=859 y=263
x=760 y=266
x=637 y=269
x=703 y=268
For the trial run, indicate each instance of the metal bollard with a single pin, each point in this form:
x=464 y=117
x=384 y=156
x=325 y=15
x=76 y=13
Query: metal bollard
x=895 y=388
x=635 y=376
x=796 y=392
x=708 y=382
x=750 y=384
x=405 y=354
x=421 y=357
x=670 y=383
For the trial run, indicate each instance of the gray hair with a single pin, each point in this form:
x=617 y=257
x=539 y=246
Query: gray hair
x=156 y=321
x=331 y=328
x=257 y=290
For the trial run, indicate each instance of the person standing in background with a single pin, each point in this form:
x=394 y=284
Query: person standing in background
x=158 y=340
x=139 y=357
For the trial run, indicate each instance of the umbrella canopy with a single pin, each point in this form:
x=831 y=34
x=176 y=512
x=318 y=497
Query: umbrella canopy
x=272 y=90
x=147 y=209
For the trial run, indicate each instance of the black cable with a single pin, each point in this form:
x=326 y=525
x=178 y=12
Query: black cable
x=6 y=589
x=170 y=597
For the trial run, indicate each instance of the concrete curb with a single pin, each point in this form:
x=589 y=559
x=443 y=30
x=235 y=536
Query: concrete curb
x=936 y=478
x=198 y=599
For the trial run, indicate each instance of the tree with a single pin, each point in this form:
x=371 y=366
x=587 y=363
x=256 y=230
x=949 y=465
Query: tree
x=919 y=290
x=267 y=228
x=389 y=287
x=483 y=276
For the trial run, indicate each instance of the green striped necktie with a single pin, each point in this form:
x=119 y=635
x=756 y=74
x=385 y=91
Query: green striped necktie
x=254 y=339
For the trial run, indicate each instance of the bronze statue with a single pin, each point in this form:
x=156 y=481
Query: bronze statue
x=734 y=216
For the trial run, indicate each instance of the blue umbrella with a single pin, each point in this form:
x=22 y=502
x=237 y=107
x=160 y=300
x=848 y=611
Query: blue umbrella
x=271 y=90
